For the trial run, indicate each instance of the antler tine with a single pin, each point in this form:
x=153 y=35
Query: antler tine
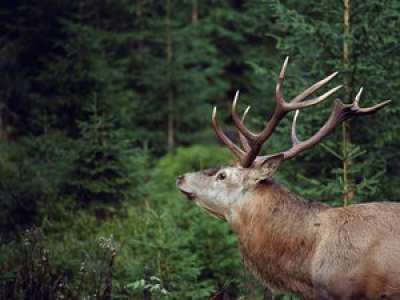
x=340 y=113
x=279 y=84
x=243 y=141
x=239 y=122
x=358 y=96
x=367 y=110
x=316 y=86
x=373 y=109
x=295 y=139
x=316 y=100
x=223 y=138
x=246 y=112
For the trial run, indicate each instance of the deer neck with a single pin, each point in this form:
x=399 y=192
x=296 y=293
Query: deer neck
x=277 y=235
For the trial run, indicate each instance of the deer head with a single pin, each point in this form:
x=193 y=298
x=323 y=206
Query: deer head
x=219 y=191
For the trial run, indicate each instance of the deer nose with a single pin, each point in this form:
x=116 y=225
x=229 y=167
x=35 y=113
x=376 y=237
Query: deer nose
x=179 y=179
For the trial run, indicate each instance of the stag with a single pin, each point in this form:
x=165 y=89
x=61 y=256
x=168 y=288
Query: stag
x=294 y=245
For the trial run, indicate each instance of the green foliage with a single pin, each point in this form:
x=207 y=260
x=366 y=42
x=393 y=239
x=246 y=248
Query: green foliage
x=162 y=249
x=32 y=175
x=100 y=173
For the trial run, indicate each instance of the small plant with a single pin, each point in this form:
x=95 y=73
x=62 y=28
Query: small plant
x=34 y=275
x=151 y=285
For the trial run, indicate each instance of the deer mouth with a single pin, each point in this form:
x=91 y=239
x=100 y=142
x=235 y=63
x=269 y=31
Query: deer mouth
x=188 y=195
x=180 y=183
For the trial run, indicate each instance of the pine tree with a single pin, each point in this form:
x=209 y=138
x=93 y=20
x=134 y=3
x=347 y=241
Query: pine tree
x=100 y=177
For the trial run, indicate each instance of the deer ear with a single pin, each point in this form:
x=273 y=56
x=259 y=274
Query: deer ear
x=267 y=168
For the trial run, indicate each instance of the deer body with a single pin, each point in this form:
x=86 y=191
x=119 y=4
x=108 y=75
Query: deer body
x=311 y=249
x=275 y=234
x=317 y=251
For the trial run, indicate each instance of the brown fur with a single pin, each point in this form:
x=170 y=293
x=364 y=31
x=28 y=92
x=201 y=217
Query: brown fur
x=317 y=251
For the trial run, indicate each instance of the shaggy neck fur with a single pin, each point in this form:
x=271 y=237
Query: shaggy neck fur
x=277 y=237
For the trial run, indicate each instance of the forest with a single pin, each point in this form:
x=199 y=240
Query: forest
x=104 y=102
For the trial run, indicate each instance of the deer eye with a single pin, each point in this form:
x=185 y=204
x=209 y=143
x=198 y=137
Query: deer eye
x=221 y=176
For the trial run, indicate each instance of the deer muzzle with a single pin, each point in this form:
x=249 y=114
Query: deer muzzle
x=180 y=183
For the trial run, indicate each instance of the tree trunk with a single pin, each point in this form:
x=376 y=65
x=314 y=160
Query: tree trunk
x=170 y=95
x=348 y=186
x=3 y=127
x=195 y=12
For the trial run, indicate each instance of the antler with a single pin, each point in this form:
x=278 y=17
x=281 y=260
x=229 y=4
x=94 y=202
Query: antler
x=252 y=142
x=243 y=141
x=340 y=112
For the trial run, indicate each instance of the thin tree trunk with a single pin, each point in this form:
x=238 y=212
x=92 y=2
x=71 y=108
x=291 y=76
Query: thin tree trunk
x=139 y=15
x=170 y=95
x=3 y=123
x=348 y=188
x=195 y=12
x=3 y=131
